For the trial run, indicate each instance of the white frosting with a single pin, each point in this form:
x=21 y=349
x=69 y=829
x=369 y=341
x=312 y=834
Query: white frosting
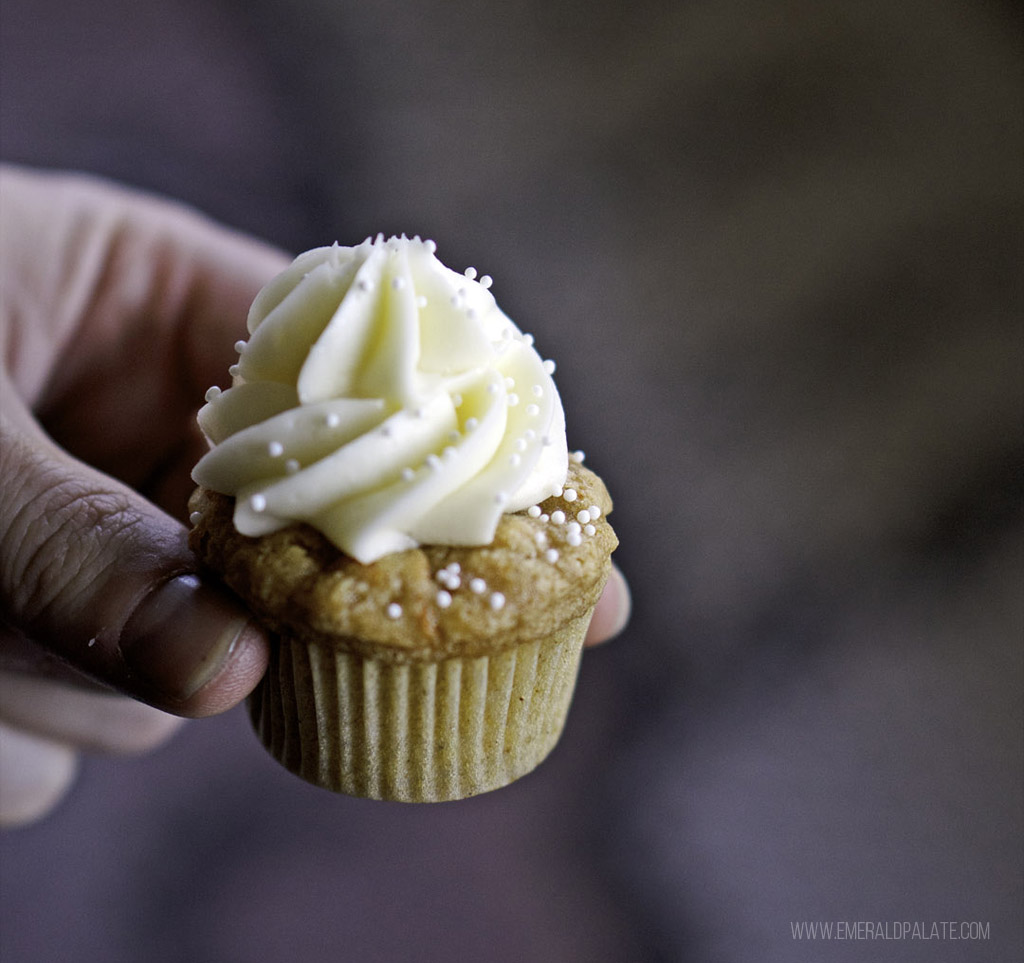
x=385 y=400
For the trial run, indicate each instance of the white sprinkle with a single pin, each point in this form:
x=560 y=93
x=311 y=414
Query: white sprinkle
x=538 y=391
x=240 y=346
x=275 y=449
x=291 y=466
x=234 y=370
x=532 y=410
x=333 y=419
x=430 y=246
x=212 y=393
x=546 y=441
x=549 y=366
x=595 y=512
x=506 y=335
x=513 y=399
x=434 y=462
x=558 y=517
x=557 y=491
x=529 y=434
x=471 y=423
x=394 y=610
x=589 y=530
x=541 y=538
x=510 y=382
x=501 y=498
x=583 y=515
x=454 y=436
x=258 y=503
x=364 y=284
x=528 y=339
x=421 y=301
x=486 y=281
x=471 y=313
x=515 y=460
x=195 y=518
x=449 y=453
x=456 y=400
x=408 y=474
x=551 y=555
x=570 y=495
x=545 y=518
x=397 y=284
x=454 y=567
x=574 y=528
x=497 y=601
x=477 y=586
x=452 y=581
x=533 y=511
x=574 y=539
x=521 y=444
x=493 y=388
x=578 y=456
x=470 y=273
x=444 y=599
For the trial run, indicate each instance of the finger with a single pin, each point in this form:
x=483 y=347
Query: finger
x=111 y=294
x=612 y=611
x=94 y=720
x=117 y=259
x=35 y=773
x=21 y=655
x=104 y=579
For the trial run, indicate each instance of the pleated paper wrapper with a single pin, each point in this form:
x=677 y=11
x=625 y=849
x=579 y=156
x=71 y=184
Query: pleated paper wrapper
x=421 y=731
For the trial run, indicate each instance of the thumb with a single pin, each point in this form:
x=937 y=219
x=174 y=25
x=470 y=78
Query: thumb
x=105 y=580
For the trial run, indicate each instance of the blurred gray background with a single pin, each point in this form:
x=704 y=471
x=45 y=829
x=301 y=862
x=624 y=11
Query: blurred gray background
x=776 y=250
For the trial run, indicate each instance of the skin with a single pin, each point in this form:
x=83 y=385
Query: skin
x=117 y=311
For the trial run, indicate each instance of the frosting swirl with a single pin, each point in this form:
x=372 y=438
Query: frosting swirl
x=387 y=401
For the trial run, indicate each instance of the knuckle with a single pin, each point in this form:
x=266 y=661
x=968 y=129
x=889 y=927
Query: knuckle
x=55 y=537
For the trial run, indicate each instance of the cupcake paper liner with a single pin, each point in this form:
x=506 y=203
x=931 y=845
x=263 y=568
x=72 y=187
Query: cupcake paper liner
x=420 y=731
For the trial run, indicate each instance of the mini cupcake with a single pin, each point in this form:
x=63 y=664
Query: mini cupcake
x=389 y=490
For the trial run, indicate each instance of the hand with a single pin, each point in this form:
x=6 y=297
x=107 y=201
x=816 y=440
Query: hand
x=117 y=311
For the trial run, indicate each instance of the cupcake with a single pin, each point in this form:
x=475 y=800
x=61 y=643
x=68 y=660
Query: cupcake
x=388 y=488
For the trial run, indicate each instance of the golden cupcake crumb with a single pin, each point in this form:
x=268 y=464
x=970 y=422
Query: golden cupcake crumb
x=539 y=572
